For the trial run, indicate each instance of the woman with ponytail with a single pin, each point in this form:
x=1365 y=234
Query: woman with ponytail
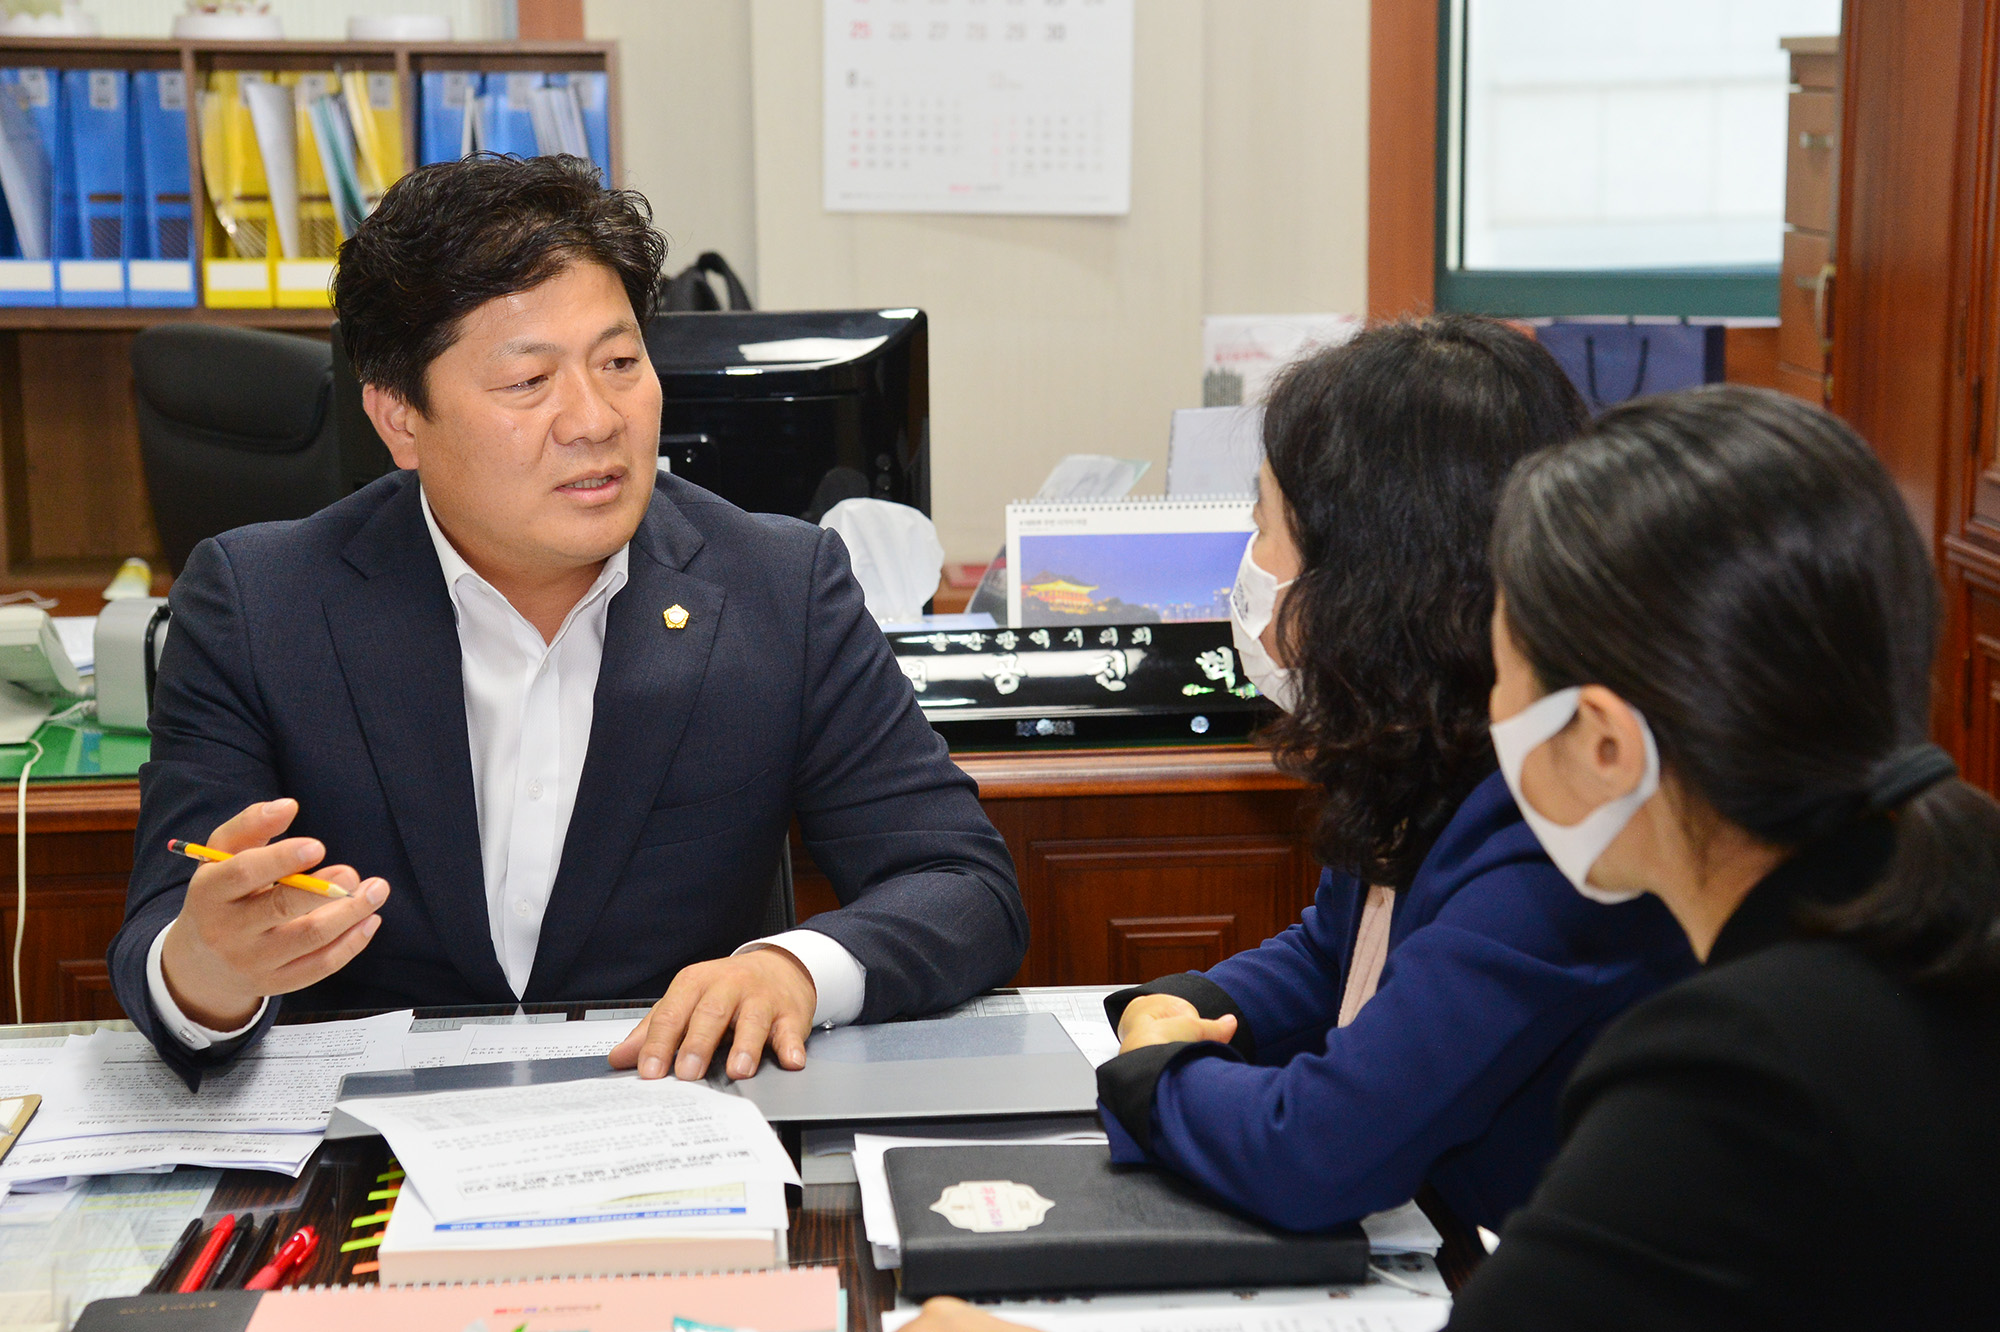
x=1714 y=645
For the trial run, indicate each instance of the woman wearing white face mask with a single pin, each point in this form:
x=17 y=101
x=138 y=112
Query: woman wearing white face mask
x=1714 y=651
x=1416 y=1026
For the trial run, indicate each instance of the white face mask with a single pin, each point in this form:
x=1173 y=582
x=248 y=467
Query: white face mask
x=1251 y=605
x=1574 y=848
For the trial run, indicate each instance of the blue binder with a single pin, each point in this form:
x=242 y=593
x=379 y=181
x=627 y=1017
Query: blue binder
x=159 y=99
x=592 y=95
x=31 y=122
x=96 y=106
x=506 y=113
x=160 y=248
x=443 y=101
x=35 y=120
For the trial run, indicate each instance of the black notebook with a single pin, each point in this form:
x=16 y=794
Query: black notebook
x=1010 y=1218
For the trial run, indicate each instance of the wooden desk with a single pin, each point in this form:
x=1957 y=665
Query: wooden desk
x=825 y=1228
x=1133 y=863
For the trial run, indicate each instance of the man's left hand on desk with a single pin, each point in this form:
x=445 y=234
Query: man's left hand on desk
x=766 y=997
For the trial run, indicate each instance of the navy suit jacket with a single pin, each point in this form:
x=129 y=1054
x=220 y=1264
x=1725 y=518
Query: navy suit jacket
x=319 y=659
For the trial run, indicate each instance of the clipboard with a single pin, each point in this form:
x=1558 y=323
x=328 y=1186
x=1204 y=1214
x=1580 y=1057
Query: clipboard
x=15 y=1112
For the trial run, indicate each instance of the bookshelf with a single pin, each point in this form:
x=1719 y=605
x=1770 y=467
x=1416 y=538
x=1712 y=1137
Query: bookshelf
x=73 y=499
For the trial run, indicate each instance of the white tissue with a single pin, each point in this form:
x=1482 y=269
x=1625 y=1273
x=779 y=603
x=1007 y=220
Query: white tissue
x=896 y=554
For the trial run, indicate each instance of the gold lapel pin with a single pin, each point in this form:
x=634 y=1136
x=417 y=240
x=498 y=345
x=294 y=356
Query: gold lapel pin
x=676 y=616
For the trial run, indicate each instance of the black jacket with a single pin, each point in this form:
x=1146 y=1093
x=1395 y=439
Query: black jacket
x=319 y=659
x=1794 y=1139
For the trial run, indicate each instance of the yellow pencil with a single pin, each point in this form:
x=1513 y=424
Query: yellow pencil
x=196 y=851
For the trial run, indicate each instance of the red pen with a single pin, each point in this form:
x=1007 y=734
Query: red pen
x=294 y=1254
x=205 y=1260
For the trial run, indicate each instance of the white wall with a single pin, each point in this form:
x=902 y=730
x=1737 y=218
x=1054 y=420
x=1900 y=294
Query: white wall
x=684 y=80
x=1049 y=335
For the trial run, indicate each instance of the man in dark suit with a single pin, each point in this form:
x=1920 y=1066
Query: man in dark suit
x=559 y=707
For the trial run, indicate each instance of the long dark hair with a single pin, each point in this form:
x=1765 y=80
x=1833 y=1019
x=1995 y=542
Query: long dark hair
x=1738 y=566
x=1390 y=451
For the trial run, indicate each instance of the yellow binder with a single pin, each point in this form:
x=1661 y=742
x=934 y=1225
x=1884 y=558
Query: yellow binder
x=375 y=106
x=237 y=232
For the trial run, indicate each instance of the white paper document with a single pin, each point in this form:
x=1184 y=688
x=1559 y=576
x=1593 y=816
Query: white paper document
x=1402 y=1229
x=286 y=1083
x=28 y=1068
x=712 y=1207
x=546 y=1040
x=118 y=1153
x=105 y=1239
x=1080 y=1009
x=509 y=1151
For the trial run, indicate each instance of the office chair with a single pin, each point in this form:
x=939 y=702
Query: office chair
x=781 y=912
x=235 y=426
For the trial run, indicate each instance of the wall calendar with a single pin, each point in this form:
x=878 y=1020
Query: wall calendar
x=978 y=106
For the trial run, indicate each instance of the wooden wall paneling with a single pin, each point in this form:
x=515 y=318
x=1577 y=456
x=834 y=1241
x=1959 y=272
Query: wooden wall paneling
x=86 y=498
x=79 y=858
x=1402 y=157
x=1968 y=479
x=1750 y=356
x=1893 y=317
x=1140 y=948
x=1805 y=255
x=13 y=456
x=1809 y=158
x=549 y=20
x=1980 y=753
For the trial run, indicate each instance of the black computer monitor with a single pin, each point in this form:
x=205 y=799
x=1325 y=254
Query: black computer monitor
x=792 y=411
x=776 y=411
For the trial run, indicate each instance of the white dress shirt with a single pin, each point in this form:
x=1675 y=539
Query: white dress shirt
x=528 y=710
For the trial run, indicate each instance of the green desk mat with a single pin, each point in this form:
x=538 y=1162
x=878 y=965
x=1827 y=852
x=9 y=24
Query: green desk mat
x=81 y=751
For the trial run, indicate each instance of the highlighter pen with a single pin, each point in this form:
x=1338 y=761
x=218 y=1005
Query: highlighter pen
x=205 y=1260
x=196 y=851
x=175 y=1257
x=240 y=1239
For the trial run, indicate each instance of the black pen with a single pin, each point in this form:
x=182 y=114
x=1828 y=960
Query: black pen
x=252 y=1256
x=175 y=1257
x=232 y=1253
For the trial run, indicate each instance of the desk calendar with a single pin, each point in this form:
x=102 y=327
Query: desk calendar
x=978 y=106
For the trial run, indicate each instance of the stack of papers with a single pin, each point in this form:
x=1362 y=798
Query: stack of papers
x=109 y=1105
x=624 y=1176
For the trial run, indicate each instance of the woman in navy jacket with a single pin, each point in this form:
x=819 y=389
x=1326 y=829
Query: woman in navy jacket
x=1416 y=1031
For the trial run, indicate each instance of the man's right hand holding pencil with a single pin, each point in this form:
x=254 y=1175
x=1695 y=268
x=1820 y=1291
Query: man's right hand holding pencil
x=242 y=936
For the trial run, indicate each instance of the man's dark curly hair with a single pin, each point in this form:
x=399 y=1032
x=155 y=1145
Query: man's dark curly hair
x=1390 y=451
x=449 y=237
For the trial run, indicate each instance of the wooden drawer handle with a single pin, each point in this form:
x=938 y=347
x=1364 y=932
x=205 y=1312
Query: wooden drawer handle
x=1810 y=141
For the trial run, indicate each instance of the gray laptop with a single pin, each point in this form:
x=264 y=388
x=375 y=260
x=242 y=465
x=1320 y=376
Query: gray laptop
x=946 y=1068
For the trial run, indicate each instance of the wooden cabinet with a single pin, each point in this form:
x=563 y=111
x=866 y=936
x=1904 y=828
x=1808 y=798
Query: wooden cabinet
x=1136 y=863
x=1917 y=322
x=79 y=857
x=1133 y=863
x=1811 y=173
